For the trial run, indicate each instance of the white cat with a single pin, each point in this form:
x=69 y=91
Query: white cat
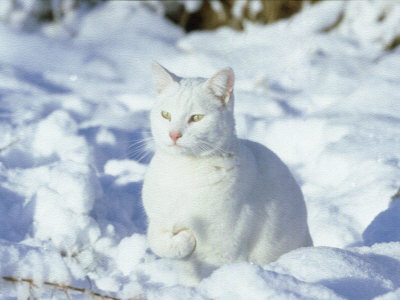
x=211 y=198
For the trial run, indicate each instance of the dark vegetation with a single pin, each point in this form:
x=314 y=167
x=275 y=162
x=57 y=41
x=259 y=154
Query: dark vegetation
x=206 y=15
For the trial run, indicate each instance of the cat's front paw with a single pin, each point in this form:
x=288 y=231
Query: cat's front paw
x=183 y=244
x=171 y=243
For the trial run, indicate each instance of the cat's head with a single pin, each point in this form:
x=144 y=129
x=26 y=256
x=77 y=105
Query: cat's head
x=193 y=116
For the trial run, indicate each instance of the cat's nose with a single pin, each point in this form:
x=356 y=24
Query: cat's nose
x=175 y=136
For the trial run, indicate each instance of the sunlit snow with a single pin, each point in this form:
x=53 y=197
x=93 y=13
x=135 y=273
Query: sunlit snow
x=75 y=142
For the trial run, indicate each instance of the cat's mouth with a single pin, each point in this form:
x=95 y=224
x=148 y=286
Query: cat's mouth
x=176 y=148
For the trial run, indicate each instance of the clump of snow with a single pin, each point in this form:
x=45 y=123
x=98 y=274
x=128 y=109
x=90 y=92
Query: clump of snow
x=61 y=216
x=130 y=252
x=255 y=7
x=318 y=17
x=125 y=170
x=191 y=6
x=77 y=184
x=75 y=143
x=56 y=135
x=379 y=24
x=237 y=9
x=105 y=136
x=217 y=7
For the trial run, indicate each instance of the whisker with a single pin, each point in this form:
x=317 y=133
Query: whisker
x=139 y=156
x=140 y=141
x=140 y=150
x=216 y=148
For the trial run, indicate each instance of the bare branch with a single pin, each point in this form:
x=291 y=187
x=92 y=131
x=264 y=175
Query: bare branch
x=67 y=288
x=9 y=145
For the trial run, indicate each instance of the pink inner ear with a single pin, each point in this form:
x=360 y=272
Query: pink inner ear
x=230 y=82
x=221 y=84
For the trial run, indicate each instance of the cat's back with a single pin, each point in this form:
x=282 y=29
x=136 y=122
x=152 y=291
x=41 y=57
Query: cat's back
x=280 y=201
x=274 y=178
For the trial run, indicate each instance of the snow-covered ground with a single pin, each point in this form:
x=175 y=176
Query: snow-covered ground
x=74 y=134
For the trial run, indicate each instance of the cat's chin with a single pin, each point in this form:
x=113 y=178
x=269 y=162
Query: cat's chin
x=181 y=150
x=176 y=149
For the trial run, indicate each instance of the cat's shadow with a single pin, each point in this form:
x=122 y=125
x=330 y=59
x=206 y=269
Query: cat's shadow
x=121 y=205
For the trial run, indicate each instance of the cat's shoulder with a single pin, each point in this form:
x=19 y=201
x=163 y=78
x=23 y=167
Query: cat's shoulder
x=260 y=152
x=256 y=148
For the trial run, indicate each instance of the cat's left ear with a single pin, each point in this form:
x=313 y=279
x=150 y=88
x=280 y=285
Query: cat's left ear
x=221 y=85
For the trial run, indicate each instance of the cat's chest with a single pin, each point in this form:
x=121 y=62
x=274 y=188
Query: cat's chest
x=181 y=185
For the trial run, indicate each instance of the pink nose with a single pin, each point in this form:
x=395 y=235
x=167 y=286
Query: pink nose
x=175 y=136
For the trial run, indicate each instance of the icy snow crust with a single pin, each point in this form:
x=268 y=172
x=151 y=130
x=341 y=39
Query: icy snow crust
x=75 y=133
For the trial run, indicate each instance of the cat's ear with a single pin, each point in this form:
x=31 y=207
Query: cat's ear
x=162 y=77
x=221 y=85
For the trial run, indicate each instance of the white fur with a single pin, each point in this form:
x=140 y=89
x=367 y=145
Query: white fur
x=214 y=199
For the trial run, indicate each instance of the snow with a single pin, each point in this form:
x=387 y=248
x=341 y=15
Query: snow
x=75 y=142
x=246 y=281
x=368 y=273
x=379 y=25
x=191 y=6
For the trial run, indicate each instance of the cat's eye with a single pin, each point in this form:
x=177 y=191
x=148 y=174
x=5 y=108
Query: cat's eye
x=195 y=118
x=166 y=115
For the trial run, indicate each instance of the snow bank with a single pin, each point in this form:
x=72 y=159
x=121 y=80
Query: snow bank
x=75 y=141
x=245 y=281
x=356 y=273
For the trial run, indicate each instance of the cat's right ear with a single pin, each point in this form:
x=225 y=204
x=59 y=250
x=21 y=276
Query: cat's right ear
x=162 y=77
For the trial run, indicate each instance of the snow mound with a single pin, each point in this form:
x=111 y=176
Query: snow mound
x=245 y=281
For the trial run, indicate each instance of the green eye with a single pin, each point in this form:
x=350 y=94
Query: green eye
x=196 y=118
x=166 y=115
